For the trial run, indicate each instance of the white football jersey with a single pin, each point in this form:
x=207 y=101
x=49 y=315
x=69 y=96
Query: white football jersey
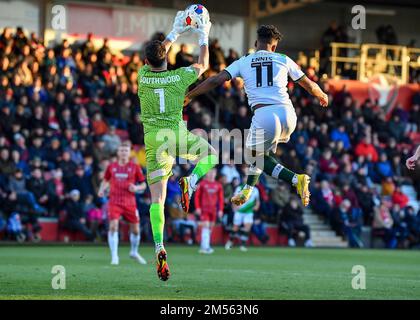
x=265 y=76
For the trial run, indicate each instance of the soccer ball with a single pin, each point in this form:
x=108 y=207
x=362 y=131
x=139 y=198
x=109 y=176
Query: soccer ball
x=196 y=13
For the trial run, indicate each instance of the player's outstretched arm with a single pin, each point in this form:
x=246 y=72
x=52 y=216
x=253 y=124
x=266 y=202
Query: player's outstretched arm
x=178 y=28
x=207 y=86
x=411 y=162
x=314 y=89
x=203 y=32
x=137 y=188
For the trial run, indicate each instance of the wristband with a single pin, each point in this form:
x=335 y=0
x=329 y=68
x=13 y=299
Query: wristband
x=172 y=36
x=203 y=40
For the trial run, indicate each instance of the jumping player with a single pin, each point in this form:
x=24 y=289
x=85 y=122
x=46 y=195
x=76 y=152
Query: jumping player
x=122 y=177
x=243 y=217
x=161 y=93
x=265 y=74
x=209 y=201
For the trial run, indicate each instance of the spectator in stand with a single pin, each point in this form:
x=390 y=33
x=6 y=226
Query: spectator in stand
x=17 y=186
x=88 y=48
x=6 y=164
x=365 y=199
x=99 y=126
x=291 y=223
x=75 y=216
x=413 y=224
x=243 y=120
x=217 y=57
x=280 y=197
x=183 y=58
x=328 y=165
x=322 y=199
x=348 y=193
x=365 y=148
x=112 y=141
x=19 y=164
x=400 y=226
x=232 y=57
x=383 y=168
x=39 y=188
x=383 y=223
x=95 y=216
x=68 y=167
x=81 y=182
x=230 y=172
x=180 y=223
x=353 y=225
x=399 y=198
x=15 y=228
x=340 y=134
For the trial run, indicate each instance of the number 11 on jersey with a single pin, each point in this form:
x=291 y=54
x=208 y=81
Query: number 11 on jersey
x=161 y=93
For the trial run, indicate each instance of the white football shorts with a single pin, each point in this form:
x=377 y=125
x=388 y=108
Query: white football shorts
x=243 y=218
x=270 y=126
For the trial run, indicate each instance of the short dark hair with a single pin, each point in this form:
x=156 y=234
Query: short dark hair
x=155 y=53
x=268 y=34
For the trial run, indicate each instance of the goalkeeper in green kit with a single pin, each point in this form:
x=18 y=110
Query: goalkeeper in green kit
x=161 y=93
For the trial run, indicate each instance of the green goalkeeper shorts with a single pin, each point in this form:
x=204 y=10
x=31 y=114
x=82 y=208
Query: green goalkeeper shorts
x=163 y=146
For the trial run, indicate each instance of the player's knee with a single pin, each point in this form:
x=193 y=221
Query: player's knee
x=158 y=199
x=135 y=229
x=113 y=227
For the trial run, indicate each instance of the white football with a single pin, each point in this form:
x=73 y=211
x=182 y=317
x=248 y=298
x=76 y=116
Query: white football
x=195 y=14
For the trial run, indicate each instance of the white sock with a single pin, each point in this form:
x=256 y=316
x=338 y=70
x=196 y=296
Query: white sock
x=193 y=181
x=134 y=241
x=205 y=238
x=158 y=246
x=113 y=243
x=295 y=180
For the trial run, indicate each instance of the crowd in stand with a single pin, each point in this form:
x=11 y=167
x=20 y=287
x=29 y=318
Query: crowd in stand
x=65 y=109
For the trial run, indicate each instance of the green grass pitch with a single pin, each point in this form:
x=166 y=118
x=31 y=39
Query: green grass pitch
x=260 y=273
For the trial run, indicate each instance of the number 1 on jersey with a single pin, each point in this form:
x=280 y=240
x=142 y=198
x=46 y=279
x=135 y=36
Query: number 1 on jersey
x=161 y=93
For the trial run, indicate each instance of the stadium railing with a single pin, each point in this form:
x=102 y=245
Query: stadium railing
x=370 y=59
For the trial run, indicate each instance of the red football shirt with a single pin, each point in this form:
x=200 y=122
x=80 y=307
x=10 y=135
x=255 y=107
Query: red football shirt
x=209 y=196
x=120 y=177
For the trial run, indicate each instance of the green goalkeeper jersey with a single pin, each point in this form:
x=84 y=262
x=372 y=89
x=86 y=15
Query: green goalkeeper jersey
x=162 y=96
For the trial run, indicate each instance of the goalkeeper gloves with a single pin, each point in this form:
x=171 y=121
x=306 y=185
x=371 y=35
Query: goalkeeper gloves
x=203 y=31
x=178 y=27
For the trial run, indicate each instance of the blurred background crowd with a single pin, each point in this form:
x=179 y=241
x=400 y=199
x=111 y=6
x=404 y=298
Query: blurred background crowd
x=65 y=109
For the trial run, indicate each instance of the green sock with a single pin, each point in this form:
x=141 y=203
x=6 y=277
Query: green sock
x=157 y=219
x=276 y=170
x=205 y=165
x=253 y=176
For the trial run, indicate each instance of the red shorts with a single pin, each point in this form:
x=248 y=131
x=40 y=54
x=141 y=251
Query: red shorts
x=208 y=216
x=130 y=214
